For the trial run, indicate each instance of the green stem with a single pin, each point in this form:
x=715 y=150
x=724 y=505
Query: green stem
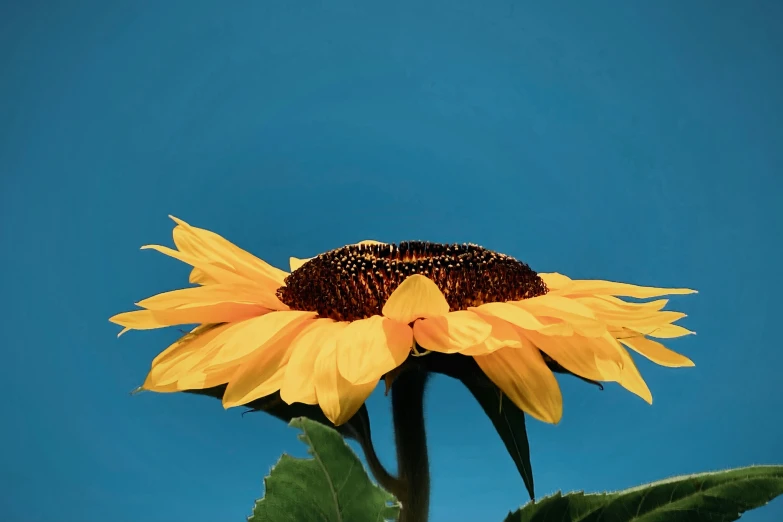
x=411 y=440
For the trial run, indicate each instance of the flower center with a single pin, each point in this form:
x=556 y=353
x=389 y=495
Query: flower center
x=354 y=282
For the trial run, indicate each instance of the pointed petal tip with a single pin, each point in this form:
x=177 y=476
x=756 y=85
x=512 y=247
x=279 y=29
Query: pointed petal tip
x=294 y=262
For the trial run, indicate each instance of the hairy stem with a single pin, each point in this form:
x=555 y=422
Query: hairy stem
x=359 y=430
x=411 y=440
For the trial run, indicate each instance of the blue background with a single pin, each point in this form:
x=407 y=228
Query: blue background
x=628 y=140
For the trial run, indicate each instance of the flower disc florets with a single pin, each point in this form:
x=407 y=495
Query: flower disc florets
x=354 y=282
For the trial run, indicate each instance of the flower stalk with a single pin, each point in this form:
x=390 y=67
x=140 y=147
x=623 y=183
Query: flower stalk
x=411 y=440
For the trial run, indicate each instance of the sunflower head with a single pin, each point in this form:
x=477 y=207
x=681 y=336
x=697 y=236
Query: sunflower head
x=355 y=281
x=329 y=330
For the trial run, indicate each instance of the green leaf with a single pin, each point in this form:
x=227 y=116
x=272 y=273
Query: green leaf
x=508 y=420
x=720 y=496
x=331 y=487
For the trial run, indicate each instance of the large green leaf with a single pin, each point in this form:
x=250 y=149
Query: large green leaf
x=706 y=497
x=508 y=420
x=330 y=487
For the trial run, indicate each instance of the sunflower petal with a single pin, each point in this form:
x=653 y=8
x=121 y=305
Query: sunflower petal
x=525 y=378
x=615 y=304
x=665 y=331
x=555 y=281
x=368 y=348
x=557 y=302
x=632 y=380
x=216 y=313
x=212 y=271
x=178 y=359
x=338 y=398
x=654 y=351
x=578 y=316
x=416 y=297
x=213 y=294
x=503 y=335
x=451 y=333
x=521 y=318
x=582 y=356
x=212 y=247
x=299 y=374
x=263 y=373
x=236 y=344
x=295 y=262
x=597 y=286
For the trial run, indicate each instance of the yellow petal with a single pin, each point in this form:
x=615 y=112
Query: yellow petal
x=615 y=304
x=370 y=242
x=213 y=248
x=217 y=313
x=578 y=316
x=524 y=377
x=368 y=348
x=246 y=337
x=556 y=302
x=179 y=358
x=198 y=277
x=503 y=335
x=596 y=286
x=555 y=281
x=643 y=320
x=214 y=294
x=338 y=398
x=213 y=271
x=583 y=356
x=632 y=380
x=416 y=297
x=451 y=333
x=299 y=374
x=665 y=331
x=295 y=262
x=512 y=314
x=654 y=351
x=263 y=373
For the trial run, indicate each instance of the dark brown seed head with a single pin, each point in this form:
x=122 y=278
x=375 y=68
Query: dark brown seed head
x=354 y=282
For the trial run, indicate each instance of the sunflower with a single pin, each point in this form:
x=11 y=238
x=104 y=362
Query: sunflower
x=327 y=332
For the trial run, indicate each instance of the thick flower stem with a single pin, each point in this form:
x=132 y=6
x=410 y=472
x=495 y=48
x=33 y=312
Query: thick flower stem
x=411 y=440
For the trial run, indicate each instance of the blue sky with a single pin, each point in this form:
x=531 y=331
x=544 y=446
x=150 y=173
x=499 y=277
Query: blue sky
x=633 y=141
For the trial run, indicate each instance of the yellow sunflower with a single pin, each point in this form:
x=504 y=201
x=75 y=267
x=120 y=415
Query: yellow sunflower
x=329 y=330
